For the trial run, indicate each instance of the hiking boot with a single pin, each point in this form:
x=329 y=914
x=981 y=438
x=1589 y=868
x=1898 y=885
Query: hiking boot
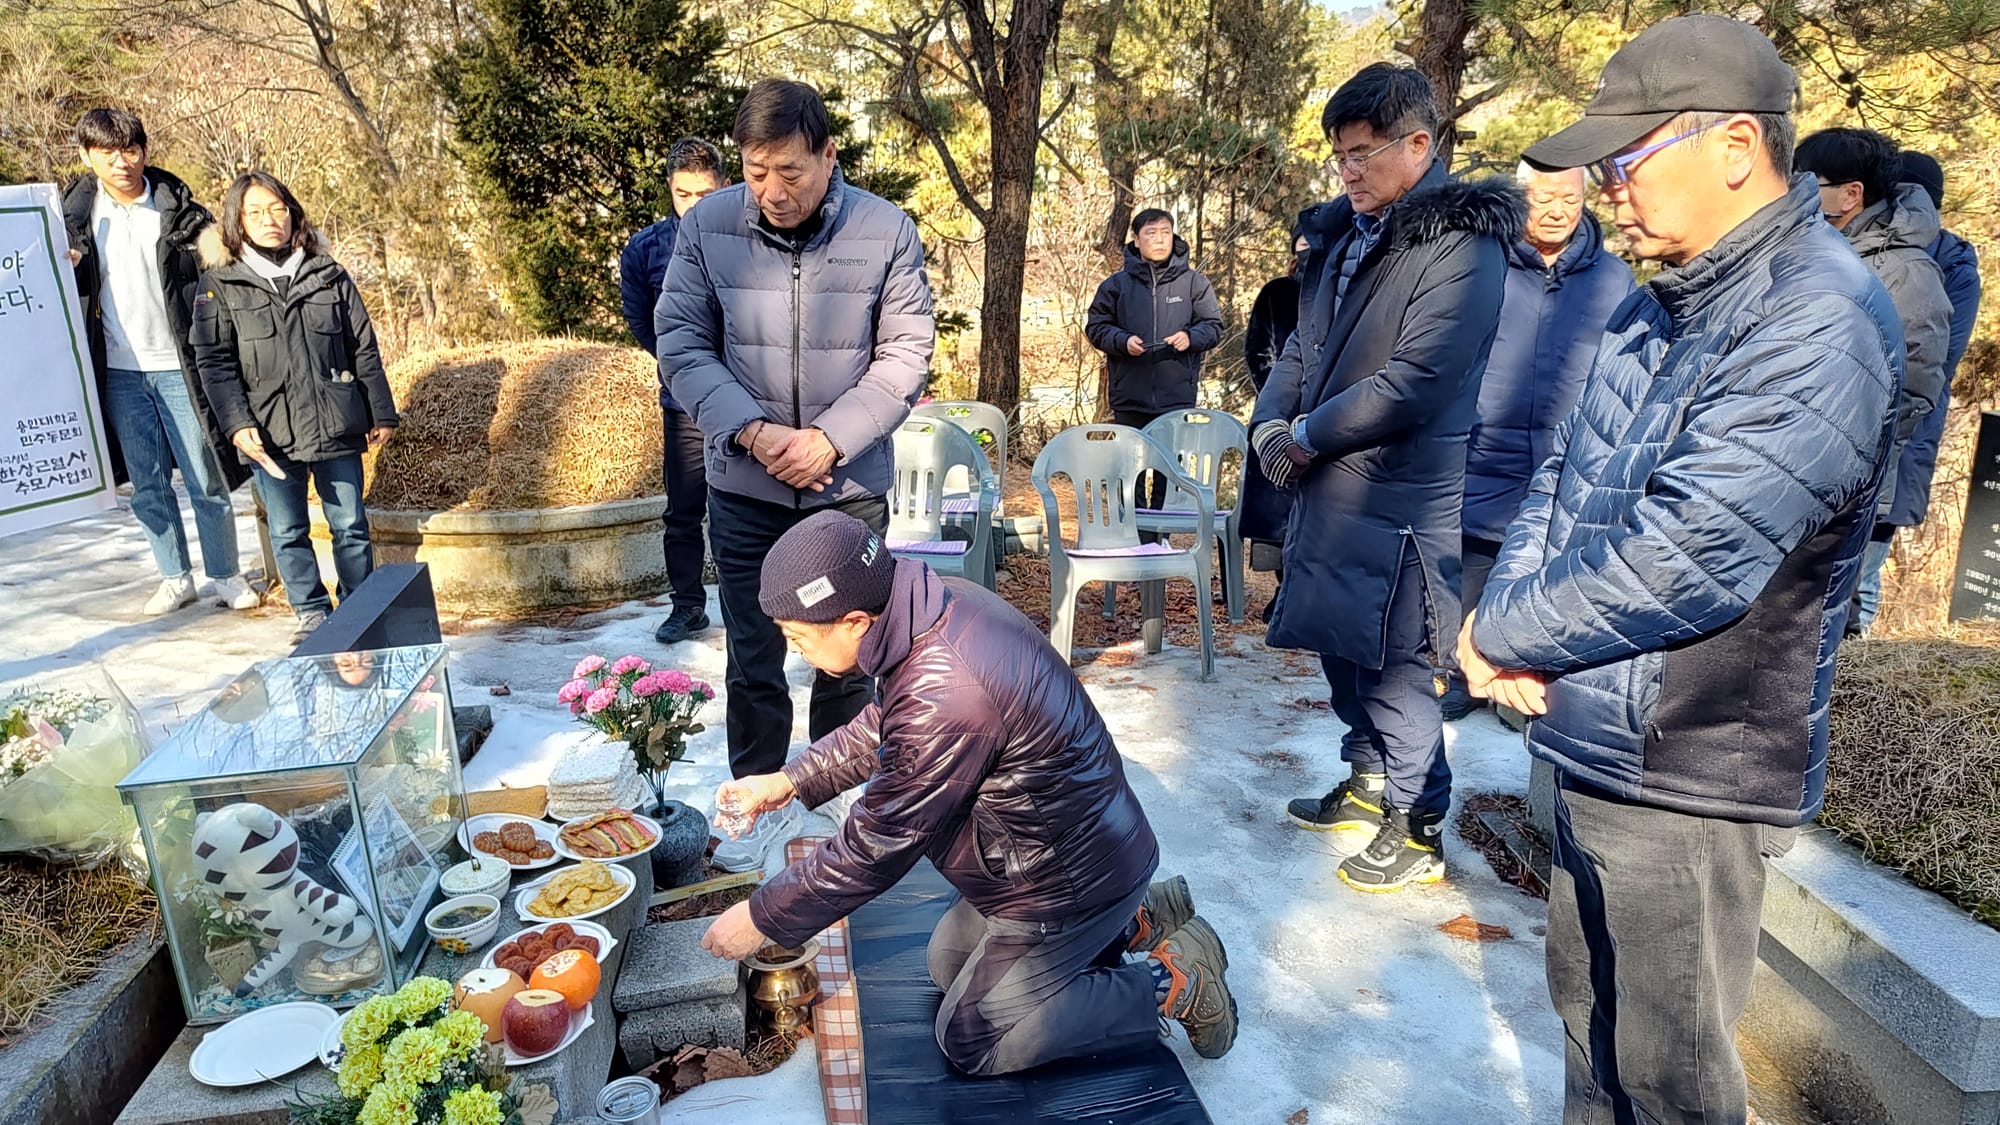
x=1456 y=703
x=1197 y=995
x=172 y=595
x=309 y=621
x=682 y=623
x=1168 y=906
x=235 y=593
x=1409 y=849
x=1352 y=812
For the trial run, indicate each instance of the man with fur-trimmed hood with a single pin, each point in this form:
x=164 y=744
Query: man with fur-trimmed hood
x=1365 y=416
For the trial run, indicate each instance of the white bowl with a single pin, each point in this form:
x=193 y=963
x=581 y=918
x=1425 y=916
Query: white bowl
x=491 y=878
x=464 y=939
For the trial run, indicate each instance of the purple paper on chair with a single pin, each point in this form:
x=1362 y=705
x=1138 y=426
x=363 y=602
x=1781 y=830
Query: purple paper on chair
x=929 y=546
x=1140 y=551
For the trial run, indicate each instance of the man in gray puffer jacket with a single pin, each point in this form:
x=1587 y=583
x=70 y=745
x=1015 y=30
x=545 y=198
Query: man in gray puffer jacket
x=1891 y=224
x=795 y=325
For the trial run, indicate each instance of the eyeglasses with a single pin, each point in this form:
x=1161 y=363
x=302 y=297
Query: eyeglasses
x=1358 y=163
x=1616 y=171
x=277 y=212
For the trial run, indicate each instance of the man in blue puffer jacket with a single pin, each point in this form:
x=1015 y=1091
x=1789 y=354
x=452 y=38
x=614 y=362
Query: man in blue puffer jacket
x=1669 y=600
x=1562 y=285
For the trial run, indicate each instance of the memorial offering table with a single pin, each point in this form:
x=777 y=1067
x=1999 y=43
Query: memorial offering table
x=574 y=1075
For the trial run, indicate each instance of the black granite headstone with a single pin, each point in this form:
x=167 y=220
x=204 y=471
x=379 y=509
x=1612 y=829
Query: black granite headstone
x=394 y=608
x=1975 y=590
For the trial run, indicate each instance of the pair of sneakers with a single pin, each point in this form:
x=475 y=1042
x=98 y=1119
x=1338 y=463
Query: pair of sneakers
x=1189 y=950
x=1386 y=848
x=233 y=592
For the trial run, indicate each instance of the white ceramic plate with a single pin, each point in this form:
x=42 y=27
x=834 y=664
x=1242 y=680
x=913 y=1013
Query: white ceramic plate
x=579 y=1022
x=261 y=1045
x=491 y=822
x=605 y=942
x=650 y=824
x=329 y=1044
x=527 y=893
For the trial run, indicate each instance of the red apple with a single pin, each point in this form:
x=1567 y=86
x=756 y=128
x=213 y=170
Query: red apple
x=535 y=1021
x=484 y=993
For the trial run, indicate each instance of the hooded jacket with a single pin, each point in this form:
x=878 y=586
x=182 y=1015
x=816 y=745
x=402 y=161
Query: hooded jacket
x=1894 y=237
x=1273 y=317
x=1960 y=263
x=1550 y=324
x=1154 y=301
x=181 y=222
x=982 y=751
x=1386 y=385
x=1682 y=566
x=302 y=367
x=836 y=334
x=642 y=271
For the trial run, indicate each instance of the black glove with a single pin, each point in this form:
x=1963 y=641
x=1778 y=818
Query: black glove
x=1280 y=455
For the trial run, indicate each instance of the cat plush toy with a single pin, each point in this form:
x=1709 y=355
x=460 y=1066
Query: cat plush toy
x=250 y=855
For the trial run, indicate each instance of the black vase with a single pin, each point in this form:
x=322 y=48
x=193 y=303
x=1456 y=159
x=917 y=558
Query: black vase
x=681 y=856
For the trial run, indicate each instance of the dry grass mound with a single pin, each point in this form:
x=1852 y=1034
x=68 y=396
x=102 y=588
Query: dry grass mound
x=57 y=925
x=529 y=424
x=1915 y=773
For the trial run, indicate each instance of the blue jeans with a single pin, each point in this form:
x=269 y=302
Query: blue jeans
x=154 y=419
x=338 y=483
x=1868 y=595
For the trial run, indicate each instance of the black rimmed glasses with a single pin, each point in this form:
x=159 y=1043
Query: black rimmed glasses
x=1358 y=163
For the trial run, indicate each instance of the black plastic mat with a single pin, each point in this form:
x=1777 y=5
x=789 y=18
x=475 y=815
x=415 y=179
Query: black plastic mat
x=909 y=1081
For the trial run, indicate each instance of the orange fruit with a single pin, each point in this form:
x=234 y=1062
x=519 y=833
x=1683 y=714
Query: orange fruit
x=571 y=972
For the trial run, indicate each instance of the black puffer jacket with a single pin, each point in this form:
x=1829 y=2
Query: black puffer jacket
x=1153 y=302
x=181 y=222
x=981 y=751
x=302 y=367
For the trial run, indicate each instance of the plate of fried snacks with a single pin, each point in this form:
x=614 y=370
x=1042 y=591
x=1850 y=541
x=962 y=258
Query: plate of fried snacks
x=523 y=844
x=613 y=834
x=583 y=890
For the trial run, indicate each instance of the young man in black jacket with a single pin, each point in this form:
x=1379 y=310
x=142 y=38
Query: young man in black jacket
x=131 y=232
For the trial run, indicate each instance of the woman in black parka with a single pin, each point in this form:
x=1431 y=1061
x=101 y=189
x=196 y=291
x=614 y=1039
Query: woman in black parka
x=288 y=358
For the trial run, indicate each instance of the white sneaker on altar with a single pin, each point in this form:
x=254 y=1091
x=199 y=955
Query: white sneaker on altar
x=768 y=836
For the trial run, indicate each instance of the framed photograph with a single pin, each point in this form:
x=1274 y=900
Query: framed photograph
x=404 y=873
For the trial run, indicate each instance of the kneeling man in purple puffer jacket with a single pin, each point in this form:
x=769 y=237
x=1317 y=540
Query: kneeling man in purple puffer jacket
x=982 y=751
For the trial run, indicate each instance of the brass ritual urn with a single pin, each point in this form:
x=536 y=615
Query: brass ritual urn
x=783 y=987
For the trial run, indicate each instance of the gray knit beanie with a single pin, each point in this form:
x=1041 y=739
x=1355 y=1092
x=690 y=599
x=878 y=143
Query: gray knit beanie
x=827 y=566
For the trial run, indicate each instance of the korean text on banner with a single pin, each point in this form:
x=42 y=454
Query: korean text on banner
x=55 y=464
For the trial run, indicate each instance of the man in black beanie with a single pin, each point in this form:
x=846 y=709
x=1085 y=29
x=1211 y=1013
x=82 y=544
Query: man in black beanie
x=982 y=751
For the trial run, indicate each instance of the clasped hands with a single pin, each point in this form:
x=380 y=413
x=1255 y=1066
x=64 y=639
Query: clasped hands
x=1524 y=691
x=798 y=458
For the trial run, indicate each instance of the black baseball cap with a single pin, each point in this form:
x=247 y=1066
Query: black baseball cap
x=1682 y=65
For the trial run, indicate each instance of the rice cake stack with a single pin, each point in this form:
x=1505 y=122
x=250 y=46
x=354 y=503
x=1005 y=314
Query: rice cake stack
x=594 y=778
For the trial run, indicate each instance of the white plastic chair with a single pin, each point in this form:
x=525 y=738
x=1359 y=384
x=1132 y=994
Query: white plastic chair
x=1201 y=441
x=1104 y=465
x=927 y=450
x=974 y=418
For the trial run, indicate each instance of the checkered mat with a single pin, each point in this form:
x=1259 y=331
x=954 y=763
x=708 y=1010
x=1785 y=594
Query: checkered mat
x=879 y=1063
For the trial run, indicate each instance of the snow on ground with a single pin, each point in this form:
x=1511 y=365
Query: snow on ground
x=1353 y=1006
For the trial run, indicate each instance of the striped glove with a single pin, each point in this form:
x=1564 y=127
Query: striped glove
x=1280 y=455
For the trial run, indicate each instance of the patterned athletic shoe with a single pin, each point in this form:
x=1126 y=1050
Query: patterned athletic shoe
x=1168 y=906
x=1352 y=812
x=1197 y=995
x=1409 y=849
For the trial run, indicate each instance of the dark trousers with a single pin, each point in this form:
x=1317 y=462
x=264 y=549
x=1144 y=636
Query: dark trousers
x=1653 y=929
x=1154 y=491
x=1394 y=724
x=1019 y=994
x=759 y=717
x=1477 y=557
x=686 y=470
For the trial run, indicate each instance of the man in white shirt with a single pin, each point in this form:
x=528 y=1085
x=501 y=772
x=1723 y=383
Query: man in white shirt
x=131 y=232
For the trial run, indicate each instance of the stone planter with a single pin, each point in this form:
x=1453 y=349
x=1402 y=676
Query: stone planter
x=510 y=562
x=678 y=859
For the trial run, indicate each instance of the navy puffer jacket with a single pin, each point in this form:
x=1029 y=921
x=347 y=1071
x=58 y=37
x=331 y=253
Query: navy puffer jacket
x=642 y=271
x=1960 y=263
x=1550 y=323
x=1154 y=301
x=1682 y=566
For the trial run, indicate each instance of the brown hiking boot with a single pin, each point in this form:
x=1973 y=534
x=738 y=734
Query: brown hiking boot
x=1168 y=906
x=1197 y=995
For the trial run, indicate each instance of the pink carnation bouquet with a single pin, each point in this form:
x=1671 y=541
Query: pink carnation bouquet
x=652 y=712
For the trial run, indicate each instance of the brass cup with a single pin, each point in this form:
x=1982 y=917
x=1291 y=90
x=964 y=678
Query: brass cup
x=783 y=987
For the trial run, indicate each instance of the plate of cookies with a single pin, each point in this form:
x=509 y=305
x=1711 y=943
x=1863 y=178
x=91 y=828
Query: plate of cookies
x=536 y=944
x=523 y=844
x=582 y=890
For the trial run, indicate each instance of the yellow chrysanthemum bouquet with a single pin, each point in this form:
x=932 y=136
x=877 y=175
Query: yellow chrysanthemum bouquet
x=412 y=1059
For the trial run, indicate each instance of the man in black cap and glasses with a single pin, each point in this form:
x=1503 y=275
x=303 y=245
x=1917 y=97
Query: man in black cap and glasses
x=1668 y=601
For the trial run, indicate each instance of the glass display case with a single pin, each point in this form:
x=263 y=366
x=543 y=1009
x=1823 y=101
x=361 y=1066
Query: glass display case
x=297 y=828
